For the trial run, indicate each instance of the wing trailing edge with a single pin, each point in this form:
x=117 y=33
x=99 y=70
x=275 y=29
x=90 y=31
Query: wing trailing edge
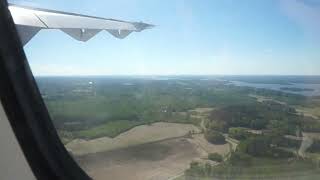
x=30 y=21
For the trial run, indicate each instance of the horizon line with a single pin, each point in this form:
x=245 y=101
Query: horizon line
x=79 y=75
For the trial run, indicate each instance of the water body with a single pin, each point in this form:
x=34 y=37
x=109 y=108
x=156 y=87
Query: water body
x=277 y=87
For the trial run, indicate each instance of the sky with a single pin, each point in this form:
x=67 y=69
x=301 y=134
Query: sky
x=191 y=37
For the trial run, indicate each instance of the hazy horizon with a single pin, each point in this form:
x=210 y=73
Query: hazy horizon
x=212 y=75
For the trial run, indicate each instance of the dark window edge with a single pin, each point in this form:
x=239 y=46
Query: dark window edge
x=27 y=112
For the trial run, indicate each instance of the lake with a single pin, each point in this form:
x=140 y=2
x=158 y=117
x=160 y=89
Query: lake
x=278 y=87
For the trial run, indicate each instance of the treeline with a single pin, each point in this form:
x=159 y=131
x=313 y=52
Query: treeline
x=310 y=124
x=255 y=168
x=266 y=115
x=75 y=105
x=288 y=98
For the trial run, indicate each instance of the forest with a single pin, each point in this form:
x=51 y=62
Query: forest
x=91 y=107
x=259 y=119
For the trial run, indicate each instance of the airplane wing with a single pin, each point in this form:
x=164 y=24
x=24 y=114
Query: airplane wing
x=29 y=21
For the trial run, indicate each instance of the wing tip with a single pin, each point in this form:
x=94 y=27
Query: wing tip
x=140 y=26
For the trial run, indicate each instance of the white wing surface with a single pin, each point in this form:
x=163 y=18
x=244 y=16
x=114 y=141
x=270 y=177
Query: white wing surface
x=30 y=21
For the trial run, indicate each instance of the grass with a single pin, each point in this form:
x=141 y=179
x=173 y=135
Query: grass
x=183 y=120
x=113 y=128
x=182 y=177
x=267 y=168
x=109 y=129
x=310 y=111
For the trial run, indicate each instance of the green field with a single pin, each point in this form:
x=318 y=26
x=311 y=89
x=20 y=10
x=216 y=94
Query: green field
x=110 y=129
x=109 y=106
x=260 y=168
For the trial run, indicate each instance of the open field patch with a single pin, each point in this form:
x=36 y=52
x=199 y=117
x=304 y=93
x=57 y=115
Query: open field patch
x=205 y=147
x=152 y=161
x=262 y=168
x=263 y=98
x=313 y=112
x=137 y=135
x=110 y=129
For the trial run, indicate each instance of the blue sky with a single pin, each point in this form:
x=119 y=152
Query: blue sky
x=280 y=37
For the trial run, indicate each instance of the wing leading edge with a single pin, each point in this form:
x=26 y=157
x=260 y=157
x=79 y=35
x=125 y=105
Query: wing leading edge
x=29 y=21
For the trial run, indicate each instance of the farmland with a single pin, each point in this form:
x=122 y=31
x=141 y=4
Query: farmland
x=168 y=127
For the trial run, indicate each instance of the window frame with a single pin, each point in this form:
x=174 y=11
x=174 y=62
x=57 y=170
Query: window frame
x=27 y=112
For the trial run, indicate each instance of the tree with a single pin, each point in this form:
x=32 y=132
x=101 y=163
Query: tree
x=215 y=157
x=239 y=158
x=258 y=123
x=220 y=126
x=255 y=146
x=278 y=127
x=194 y=164
x=238 y=133
x=215 y=137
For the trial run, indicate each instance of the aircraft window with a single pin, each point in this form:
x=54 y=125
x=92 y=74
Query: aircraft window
x=180 y=89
